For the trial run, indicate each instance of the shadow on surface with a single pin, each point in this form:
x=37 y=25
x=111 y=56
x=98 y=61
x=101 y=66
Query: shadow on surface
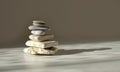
x=75 y=51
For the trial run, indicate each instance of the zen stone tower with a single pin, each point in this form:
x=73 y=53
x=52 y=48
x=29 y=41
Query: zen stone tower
x=40 y=40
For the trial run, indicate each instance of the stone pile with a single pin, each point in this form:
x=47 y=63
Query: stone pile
x=40 y=40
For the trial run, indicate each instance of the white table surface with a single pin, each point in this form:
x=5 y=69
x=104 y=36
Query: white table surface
x=85 y=57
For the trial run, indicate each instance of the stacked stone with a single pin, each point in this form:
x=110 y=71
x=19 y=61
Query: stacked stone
x=40 y=41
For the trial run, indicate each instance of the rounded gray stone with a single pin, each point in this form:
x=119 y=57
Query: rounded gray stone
x=38 y=32
x=32 y=27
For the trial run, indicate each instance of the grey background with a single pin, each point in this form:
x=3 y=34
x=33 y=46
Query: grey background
x=70 y=20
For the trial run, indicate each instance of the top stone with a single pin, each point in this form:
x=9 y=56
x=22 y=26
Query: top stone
x=38 y=22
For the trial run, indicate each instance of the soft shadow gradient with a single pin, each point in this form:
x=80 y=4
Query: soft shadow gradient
x=75 y=51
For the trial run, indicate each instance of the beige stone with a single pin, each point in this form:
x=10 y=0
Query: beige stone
x=36 y=50
x=40 y=38
x=45 y=44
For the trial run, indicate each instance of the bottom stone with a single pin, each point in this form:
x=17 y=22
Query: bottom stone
x=37 y=51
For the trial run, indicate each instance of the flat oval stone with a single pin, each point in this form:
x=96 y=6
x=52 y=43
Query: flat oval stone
x=32 y=27
x=38 y=32
x=44 y=44
x=38 y=22
x=41 y=38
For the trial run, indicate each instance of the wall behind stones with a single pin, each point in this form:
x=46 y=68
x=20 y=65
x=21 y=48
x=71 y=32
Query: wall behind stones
x=70 y=20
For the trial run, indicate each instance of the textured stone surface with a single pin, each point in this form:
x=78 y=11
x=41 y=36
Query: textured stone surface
x=44 y=44
x=40 y=38
x=77 y=57
x=35 y=50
